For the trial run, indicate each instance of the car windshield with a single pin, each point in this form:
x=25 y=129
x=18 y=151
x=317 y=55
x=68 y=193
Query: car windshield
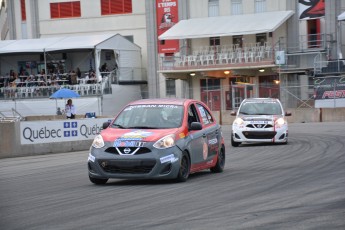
x=260 y=108
x=150 y=116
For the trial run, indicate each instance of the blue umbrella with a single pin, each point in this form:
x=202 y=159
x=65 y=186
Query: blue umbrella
x=64 y=93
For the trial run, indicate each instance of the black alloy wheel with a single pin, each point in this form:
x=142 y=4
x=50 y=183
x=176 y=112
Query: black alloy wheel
x=184 y=171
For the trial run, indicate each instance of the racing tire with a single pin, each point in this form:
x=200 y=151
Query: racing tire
x=97 y=180
x=234 y=143
x=184 y=170
x=219 y=167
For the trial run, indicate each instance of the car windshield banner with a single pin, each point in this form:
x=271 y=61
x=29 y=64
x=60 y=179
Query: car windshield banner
x=329 y=92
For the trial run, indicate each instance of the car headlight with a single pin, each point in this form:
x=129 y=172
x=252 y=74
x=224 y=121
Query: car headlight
x=280 y=121
x=165 y=142
x=98 y=142
x=238 y=121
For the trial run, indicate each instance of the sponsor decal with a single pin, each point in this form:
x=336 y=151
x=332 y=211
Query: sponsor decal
x=258 y=122
x=91 y=158
x=150 y=106
x=129 y=143
x=213 y=141
x=205 y=150
x=132 y=139
x=209 y=162
x=135 y=135
x=170 y=158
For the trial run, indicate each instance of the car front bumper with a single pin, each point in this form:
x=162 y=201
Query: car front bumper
x=274 y=134
x=156 y=164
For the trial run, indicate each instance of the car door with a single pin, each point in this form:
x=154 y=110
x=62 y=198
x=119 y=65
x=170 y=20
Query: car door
x=211 y=133
x=195 y=139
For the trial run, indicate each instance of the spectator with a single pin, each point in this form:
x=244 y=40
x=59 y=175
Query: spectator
x=70 y=109
x=104 y=67
x=78 y=72
x=58 y=112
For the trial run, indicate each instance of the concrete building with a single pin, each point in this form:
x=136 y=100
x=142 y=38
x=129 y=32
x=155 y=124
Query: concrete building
x=232 y=49
x=218 y=51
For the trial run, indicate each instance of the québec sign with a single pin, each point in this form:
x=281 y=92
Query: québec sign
x=34 y=132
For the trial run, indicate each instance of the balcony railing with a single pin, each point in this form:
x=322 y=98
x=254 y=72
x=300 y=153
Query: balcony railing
x=219 y=57
x=129 y=75
x=329 y=67
x=305 y=43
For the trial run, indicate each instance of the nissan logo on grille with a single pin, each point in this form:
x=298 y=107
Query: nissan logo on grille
x=127 y=150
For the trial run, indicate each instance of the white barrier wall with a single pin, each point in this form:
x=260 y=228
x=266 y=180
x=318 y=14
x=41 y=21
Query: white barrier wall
x=42 y=137
x=57 y=136
x=33 y=132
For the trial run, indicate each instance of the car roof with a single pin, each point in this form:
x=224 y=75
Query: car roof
x=169 y=101
x=261 y=100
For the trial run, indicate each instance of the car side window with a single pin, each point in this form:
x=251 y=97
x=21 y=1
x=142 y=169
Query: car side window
x=205 y=115
x=192 y=115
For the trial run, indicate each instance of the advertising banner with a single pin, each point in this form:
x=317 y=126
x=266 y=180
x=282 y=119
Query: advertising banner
x=310 y=9
x=167 y=16
x=34 y=132
x=329 y=92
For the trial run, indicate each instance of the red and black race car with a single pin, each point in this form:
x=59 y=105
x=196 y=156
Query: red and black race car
x=157 y=139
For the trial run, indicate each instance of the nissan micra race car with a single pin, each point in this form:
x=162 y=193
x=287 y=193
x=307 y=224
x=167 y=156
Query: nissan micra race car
x=260 y=120
x=157 y=139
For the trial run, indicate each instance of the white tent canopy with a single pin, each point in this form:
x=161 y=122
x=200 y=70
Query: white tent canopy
x=27 y=45
x=131 y=53
x=341 y=17
x=227 y=25
x=41 y=45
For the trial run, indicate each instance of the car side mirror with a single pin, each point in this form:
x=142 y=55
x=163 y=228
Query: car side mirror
x=106 y=125
x=287 y=114
x=195 y=126
x=233 y=113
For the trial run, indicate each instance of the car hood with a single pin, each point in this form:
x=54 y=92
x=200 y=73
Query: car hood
x=149 y=135
x=260 y=117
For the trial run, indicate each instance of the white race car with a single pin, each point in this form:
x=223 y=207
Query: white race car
x=260 y=120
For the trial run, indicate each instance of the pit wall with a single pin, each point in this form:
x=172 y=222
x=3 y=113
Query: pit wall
x=12 y=143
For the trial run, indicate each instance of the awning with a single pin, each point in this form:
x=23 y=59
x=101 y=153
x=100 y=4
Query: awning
x=341 y=17
x=227 y=25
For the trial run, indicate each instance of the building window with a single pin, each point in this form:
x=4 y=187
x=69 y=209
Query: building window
x=65 y=9
x=261 y=39
x=236 y=7
x=213 y=8
x=170 y=87
x=260 y=6
x=23 y=10
x=116 y=7
x=237 y=41
x=314 y=33
x=214 y=41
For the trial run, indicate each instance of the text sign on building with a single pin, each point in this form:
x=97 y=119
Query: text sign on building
x=167 y=16
x=329 y=92
x=34 y=132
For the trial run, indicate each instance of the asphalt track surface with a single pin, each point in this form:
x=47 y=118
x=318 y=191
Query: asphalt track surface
x=300 y=185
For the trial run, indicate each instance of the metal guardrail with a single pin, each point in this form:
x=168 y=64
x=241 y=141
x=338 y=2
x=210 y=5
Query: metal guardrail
x=329 y=67
x=10 y=116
